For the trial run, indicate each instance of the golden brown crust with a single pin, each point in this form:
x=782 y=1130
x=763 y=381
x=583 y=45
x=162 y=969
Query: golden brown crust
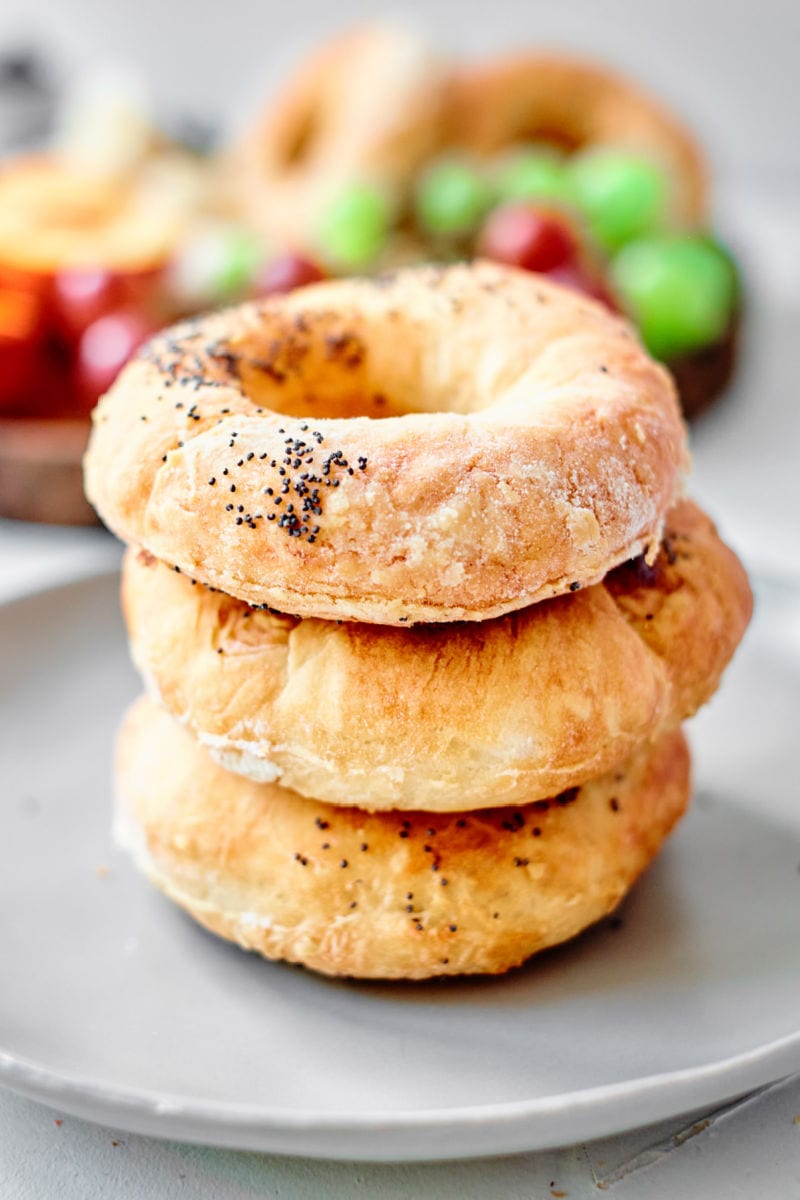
x=385 y=895
x=530 y=96
x=445 y=718
x=691 y=607
x=536 y=445
x=366 y=106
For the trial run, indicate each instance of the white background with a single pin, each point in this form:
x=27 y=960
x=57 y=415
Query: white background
x=730 y=66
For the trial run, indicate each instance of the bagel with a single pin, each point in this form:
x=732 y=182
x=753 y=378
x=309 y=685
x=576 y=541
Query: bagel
x=575 y=103
x=366 y=106
x=444 y=718
x=56 y=217
x=385 y=896
x=531 y=445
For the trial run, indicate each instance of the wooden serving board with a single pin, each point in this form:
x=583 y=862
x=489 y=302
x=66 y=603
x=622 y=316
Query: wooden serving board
x=41 y=477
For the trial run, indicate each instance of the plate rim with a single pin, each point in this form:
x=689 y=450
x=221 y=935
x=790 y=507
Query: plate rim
x=497 y=1128
x=520 y=1125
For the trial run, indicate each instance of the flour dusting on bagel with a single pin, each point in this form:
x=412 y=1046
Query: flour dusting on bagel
x=444 y=718
x=444 y=444
x=327 y=495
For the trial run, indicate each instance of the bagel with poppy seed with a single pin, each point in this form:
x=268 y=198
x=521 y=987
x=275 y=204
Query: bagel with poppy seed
x=386 y=895
x=529 y=444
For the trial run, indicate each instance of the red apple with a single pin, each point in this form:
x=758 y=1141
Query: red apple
x=524 y=235
x=22 y=329
x=285 y=273
x=106 y=346
x=581 y=279
x=82 y=296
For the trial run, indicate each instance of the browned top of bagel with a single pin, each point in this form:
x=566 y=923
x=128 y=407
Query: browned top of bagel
x=576 y=103
x=445 y=717
x=528 y=444
x=387 y=895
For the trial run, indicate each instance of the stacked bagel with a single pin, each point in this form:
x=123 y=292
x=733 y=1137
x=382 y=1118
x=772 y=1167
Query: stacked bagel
x=415 y=683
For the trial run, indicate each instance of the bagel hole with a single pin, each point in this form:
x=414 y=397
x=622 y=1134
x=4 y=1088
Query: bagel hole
x=563 y=140
x=300 y=139
x=323 y=370
x=377 y=407
x=313 y=365
x=329 y=403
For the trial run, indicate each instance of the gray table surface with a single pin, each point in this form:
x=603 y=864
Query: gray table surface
x=749 y=1150
x=746 y=472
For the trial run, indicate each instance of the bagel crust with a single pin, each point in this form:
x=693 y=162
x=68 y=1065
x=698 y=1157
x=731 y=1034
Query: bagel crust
x=384 y=896
x=528 y=445
x=445 y=718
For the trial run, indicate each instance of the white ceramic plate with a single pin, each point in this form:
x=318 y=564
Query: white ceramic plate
x=116 y=1007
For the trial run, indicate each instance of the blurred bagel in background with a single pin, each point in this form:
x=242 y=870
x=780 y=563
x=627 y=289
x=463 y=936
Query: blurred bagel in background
x=368 y=105
x=546 y=161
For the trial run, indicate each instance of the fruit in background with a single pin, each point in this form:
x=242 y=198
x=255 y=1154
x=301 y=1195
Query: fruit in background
x=20 y=279
x=216 y=266
x=354 y=228
x=581 y=279
x=528 y=236
x=80 y=297
x=534 y=173
x=21 y=334
x=285 y=273
x=452 y=198
x=680 y=289
x=104 y=349
x=623 y=196
x=87 y=229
